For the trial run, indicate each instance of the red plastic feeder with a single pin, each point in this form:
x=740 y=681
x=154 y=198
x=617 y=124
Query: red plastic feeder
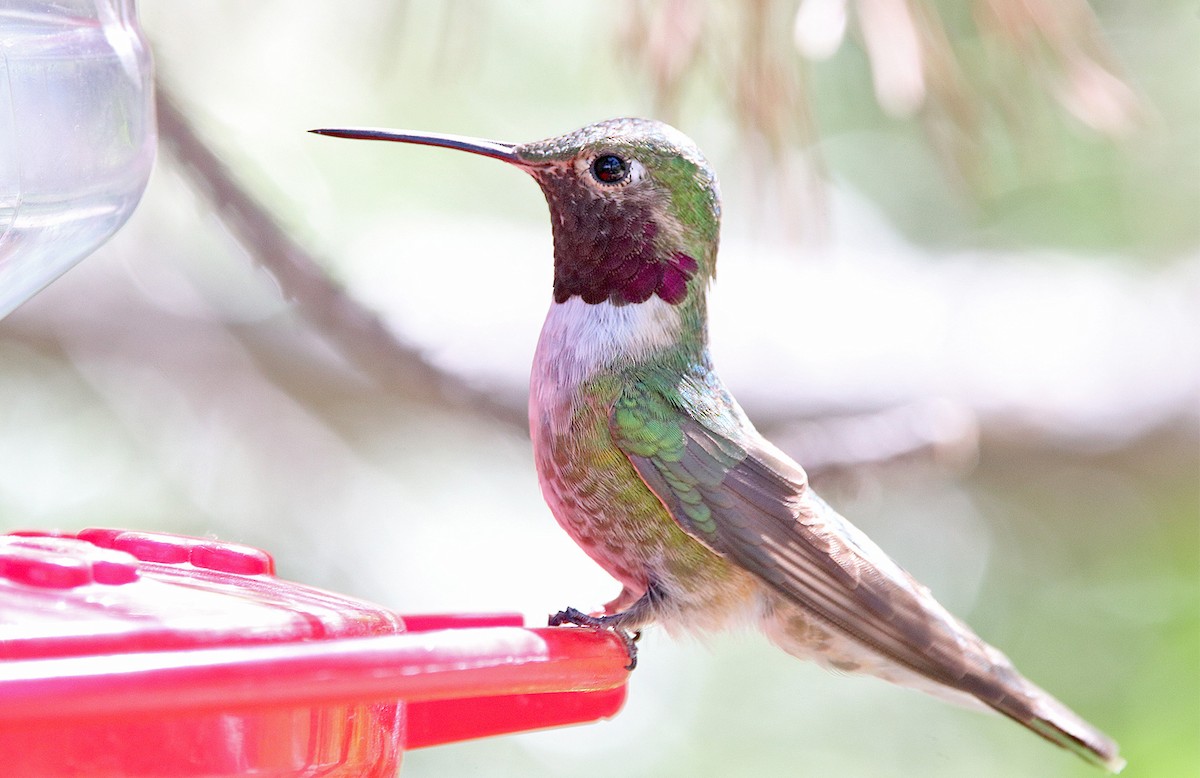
x=148 y=654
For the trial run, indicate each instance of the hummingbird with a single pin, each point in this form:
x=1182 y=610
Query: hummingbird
x=651 y=466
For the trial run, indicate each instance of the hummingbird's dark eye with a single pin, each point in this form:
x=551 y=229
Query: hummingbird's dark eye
x=610 y=169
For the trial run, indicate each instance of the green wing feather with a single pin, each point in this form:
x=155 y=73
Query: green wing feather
x=734 y=492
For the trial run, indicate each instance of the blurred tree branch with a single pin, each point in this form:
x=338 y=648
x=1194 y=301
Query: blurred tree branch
x=357 y=333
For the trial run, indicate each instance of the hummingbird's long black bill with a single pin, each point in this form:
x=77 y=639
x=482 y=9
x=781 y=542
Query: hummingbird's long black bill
x=488 y=148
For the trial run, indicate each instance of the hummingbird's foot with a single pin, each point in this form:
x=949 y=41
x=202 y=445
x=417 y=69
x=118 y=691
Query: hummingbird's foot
x=613 y=622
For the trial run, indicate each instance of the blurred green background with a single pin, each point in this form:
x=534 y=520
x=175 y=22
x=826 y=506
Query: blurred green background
x=967 y=299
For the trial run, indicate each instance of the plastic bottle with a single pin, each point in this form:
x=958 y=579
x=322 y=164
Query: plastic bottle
x=77 y=134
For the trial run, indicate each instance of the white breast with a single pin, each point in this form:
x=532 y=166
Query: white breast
x=578 y=339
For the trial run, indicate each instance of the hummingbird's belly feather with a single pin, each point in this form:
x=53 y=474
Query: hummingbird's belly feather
x=599 y=499
x=590 y=485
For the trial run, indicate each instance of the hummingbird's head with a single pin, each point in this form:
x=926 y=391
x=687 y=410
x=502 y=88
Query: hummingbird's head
x=634 y=207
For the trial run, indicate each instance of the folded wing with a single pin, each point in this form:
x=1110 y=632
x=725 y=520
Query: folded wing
x=746 y=500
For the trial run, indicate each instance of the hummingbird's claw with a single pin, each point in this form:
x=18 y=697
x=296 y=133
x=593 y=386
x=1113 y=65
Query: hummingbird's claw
x=581 y=619
x=630 y=641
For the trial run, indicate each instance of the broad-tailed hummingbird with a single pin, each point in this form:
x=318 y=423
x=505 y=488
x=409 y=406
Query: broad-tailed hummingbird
x=648 y=462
